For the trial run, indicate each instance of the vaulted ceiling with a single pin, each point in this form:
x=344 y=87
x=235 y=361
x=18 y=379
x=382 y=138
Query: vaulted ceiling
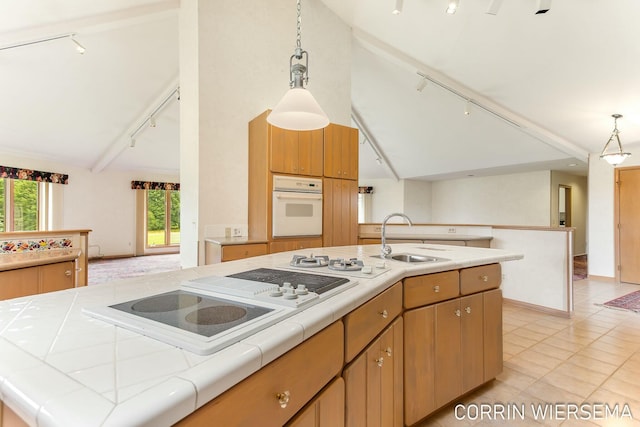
x=539 y=88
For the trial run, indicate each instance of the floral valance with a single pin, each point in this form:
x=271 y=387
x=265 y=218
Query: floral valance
x=365 y=190
x=149 y=185
x=33 y=175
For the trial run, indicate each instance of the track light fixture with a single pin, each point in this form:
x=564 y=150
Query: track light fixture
x=453 y=6
x=79 y=48
x=151 y=120
x=298 y=109
x=422 y=84
x=467 y=107
x=617 y=156
x=494 y=7
x=398 y=8
x=543 y=6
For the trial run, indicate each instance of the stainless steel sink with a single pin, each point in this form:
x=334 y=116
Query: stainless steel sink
x=413 y=258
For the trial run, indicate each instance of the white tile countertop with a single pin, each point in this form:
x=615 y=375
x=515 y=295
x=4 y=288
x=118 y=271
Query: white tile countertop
x=60 y=367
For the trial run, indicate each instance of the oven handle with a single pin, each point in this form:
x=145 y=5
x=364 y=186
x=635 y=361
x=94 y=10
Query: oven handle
x=298 y=196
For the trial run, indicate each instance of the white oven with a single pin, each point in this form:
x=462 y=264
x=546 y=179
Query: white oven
x=297 y=206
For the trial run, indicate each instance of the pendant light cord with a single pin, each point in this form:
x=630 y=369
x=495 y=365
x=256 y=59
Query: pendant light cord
x=299 y=26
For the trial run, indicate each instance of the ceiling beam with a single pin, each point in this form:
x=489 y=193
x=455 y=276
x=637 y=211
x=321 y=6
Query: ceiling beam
x=526 y=126
x=355 y=116
x=124 y=141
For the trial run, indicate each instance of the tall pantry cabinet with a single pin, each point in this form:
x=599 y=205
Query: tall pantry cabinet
x=330 y=153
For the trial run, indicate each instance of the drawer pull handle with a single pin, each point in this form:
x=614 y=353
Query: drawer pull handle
x=384 y=314
x=380 y=361
x=388 y=351
x=67 y=273
x=468 y=310
x=436 y=288
x=283 y=398
x=457 y=312
x=484 y=278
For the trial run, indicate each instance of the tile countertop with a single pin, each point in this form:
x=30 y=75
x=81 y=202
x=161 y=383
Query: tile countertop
x=224 y=241
x=60 y=367
x=441 y=237
x=14 y=260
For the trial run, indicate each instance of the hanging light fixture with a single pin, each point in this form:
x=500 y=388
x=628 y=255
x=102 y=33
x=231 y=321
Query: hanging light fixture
x=298 y=109
x=398 y=8
x=614 y=157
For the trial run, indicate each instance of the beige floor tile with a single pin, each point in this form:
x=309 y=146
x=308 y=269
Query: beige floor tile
x=515 y=378
x=604 y=356
x=570 y=383
x=513 y=338
x=617 y=385
x=530 y=333
x=527 y=368
x=592 y=364
x=551 y=350
x=618 y=349
x=613 y=399
x=581 y=373
x=560 y=342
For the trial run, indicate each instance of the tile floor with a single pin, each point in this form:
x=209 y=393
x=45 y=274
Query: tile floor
x=588 y=360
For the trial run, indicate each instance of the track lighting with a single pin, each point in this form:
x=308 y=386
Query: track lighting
x=79 y=48
x=422 y=84
x=132 y=144
x=543 y=6
x=453 y=6
x=152 y=122
x=467 y=107
x=617 y=156
x=398 y=9
x=494 y=7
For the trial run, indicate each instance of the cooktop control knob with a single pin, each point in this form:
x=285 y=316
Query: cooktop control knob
x=301 y=289
x=367 y=269
x=291 y=295
x=276 y=293
x=287 y=285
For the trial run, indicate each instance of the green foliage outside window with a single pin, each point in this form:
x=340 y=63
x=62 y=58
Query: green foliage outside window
x=25 y=205
x=2 y=208
x=156 y=217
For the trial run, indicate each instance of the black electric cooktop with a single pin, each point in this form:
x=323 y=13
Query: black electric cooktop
x=314 y=282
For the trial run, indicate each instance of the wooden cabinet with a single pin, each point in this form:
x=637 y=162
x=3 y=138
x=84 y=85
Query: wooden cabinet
x=340 y=152
x=274 y=394
x=296 y=152
x=283 y=245
x=374 y=382
x=326 y=410
x=216 y=252
x=481 y=278
x=37 y=280
x=451 y=348
x=340 y=212
x=365 y=322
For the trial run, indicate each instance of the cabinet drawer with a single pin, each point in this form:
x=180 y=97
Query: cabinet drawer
x=477 y=279
x=232 y=252
x=274 y=394
x=430 y=288
x=368 y=320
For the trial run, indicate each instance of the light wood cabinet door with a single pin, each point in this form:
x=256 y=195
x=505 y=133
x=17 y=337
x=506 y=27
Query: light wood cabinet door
x=296 y=152
x=294 y=244
x=448 y=357
x=430 y=288
x=472 y=341
x=492 y=310
x=341 y=152
x=326 y=410
x=374 y=382
x=233 y=252
x=274 y=394
x=56 y=277
x=481 y=278
x=340 y=212
x=18 y=283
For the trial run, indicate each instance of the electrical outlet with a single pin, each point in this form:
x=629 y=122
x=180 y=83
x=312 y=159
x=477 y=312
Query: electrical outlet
x=237 y=232
x=452 y=229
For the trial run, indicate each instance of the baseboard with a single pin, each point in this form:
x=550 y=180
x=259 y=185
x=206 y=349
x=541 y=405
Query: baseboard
x=111 y=257
x=547 y=310
x=602 y=278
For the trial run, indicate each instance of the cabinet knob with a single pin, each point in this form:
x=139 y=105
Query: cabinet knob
x=468 y=310
x=484 y=278
x=436 y=288
x=457 y=313
x=380 y=361
x=384 y=314
x=283 y=398
x=388 y=351
x=67 y=273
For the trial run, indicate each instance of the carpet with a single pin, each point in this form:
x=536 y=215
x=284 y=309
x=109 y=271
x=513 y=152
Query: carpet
x=630 y=302
x=105 y=270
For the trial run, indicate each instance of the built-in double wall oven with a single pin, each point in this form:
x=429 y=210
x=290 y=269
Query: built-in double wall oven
x=297 y=206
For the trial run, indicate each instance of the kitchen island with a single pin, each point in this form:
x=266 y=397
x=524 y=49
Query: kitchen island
x=59 y=366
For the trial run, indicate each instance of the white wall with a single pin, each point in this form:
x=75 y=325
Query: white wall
x=417 y=200
x=234 y=67
x=516 y=199
x=102 y=202
x=579 y=198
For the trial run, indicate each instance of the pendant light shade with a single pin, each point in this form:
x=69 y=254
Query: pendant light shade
x=298 y=110
x=617 y=155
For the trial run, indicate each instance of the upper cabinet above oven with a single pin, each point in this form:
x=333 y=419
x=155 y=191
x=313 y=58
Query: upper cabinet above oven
x=296 y=152
x=340 y=152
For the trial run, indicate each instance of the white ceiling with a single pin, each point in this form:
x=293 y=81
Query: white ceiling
x=541 y=88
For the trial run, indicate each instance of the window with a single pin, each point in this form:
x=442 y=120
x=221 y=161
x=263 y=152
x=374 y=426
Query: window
x=19 y=208
x=163 y=218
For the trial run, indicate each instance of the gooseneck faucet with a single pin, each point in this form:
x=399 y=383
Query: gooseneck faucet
x=386 y=249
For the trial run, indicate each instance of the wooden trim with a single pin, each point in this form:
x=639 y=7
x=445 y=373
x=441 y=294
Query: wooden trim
x=22 y=234
x=551 y=311
x=603 y=278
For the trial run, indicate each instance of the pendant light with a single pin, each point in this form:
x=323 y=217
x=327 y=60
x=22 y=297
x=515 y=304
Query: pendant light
x=614 y=157
x=298 y=109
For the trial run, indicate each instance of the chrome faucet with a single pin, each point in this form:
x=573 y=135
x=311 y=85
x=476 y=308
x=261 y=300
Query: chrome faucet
x=386 y=249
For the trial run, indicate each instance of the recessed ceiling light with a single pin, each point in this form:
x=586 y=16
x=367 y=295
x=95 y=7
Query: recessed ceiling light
x=572 y=165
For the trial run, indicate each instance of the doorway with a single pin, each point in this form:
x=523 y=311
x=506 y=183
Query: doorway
x=627 y=226
x=564 y=206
